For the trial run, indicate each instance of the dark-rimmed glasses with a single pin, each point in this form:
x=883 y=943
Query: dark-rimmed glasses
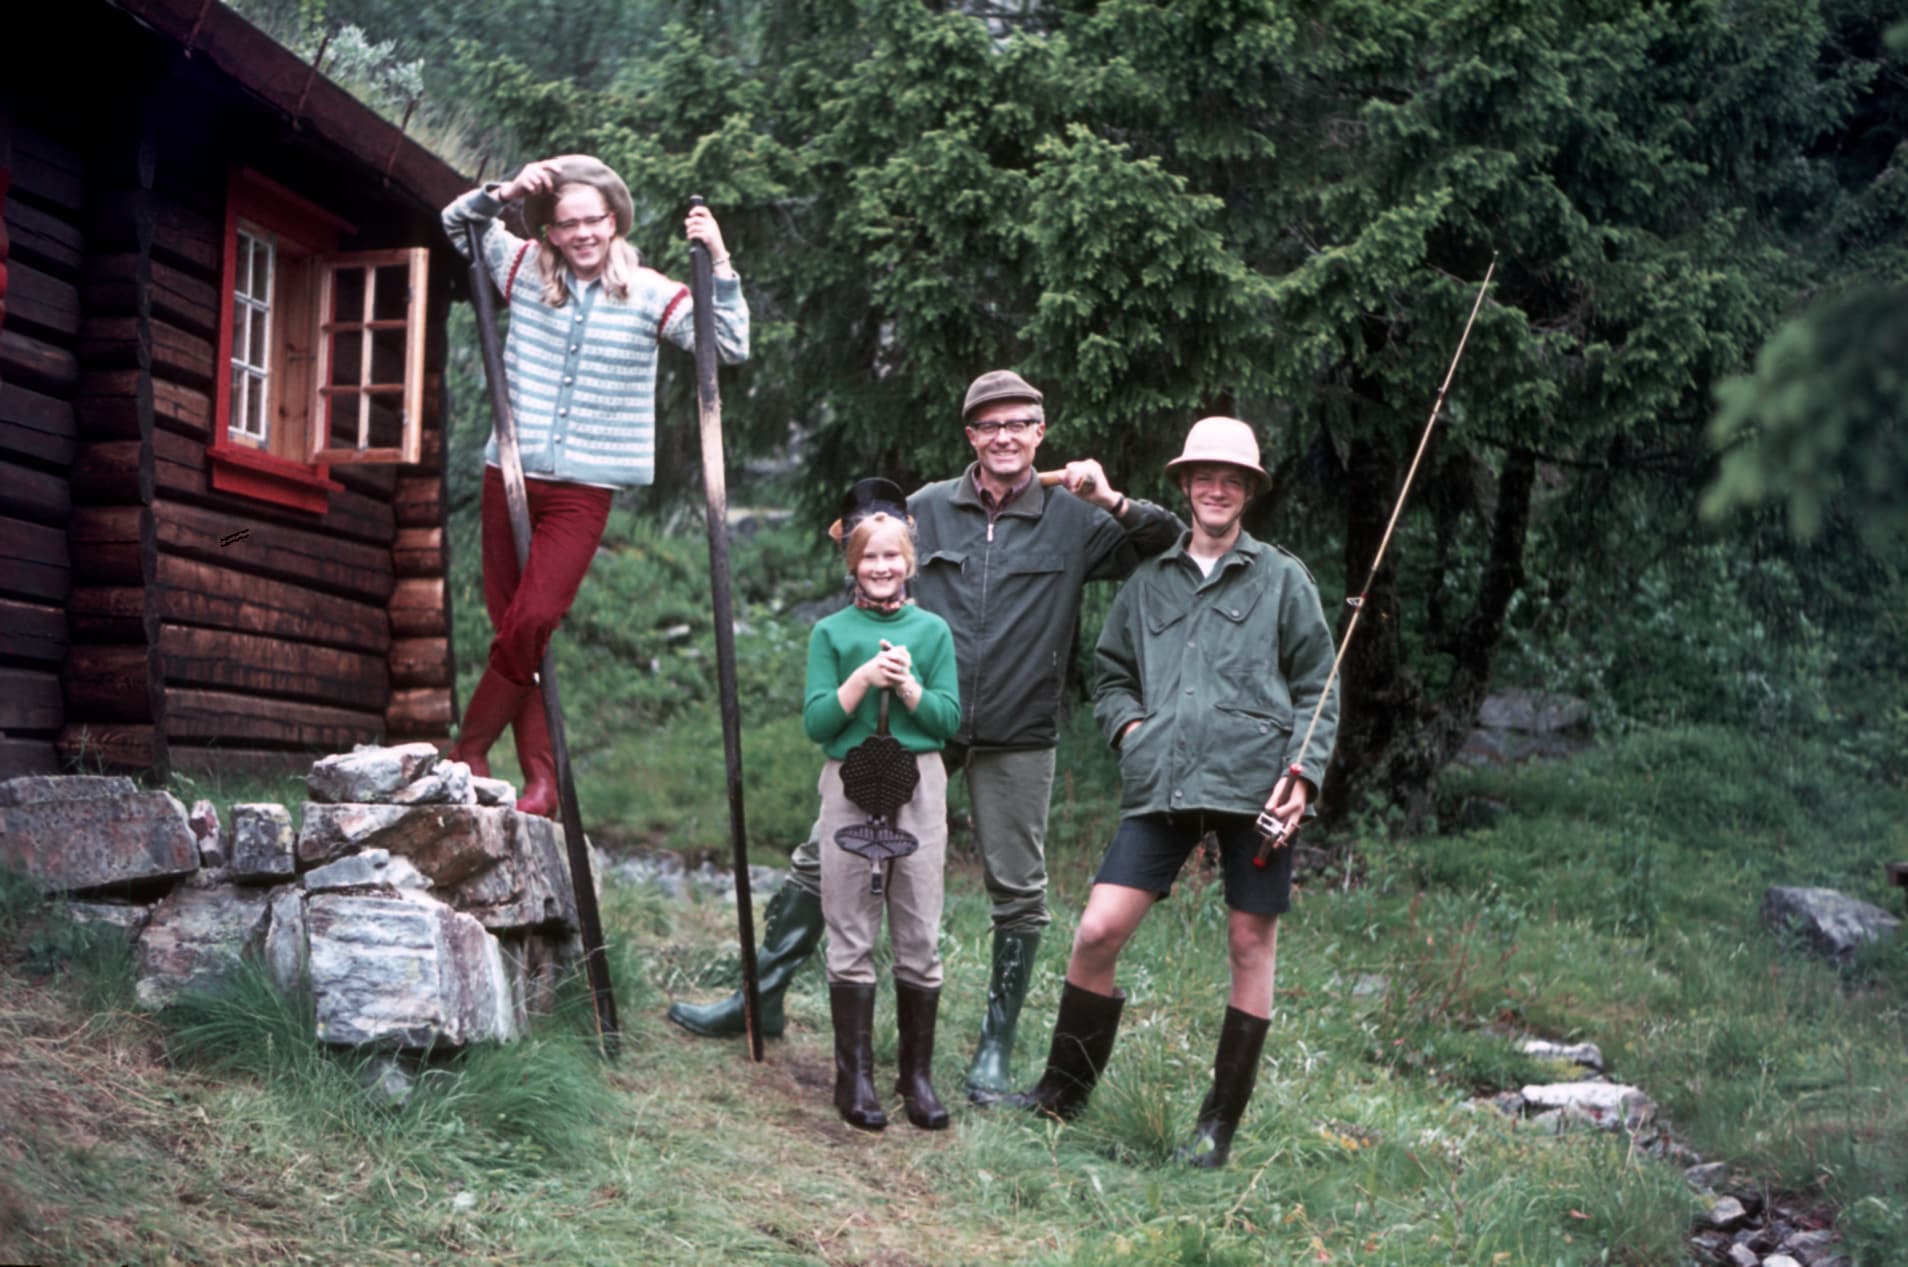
x=581 y=222
x=1012 y=426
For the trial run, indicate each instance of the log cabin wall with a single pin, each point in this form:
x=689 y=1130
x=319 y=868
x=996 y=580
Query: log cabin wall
x=41 y=187
x=206 y=628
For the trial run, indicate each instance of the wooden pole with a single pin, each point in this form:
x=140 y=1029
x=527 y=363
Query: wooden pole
x=510 y=459
x=715 y=486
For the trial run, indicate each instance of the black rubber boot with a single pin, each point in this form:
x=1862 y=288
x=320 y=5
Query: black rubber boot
x=792 y=929
x=1083 y=1036
x=915 y=1010
x=852 y=1007
x=990 y=1076
x=1234 y=1072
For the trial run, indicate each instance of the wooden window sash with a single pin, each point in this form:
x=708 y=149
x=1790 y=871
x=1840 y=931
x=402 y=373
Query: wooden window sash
x=416 y=262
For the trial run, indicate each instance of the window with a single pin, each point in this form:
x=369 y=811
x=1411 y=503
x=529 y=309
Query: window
x=322 y=351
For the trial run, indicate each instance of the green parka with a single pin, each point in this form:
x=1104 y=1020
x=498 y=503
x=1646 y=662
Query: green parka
x=1222 y=672
x=1011 y=594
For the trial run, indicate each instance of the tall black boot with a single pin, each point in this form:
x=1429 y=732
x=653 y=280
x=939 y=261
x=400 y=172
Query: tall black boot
x=1234 y=1072
x=1083 y=1036
x=852 y=1007
x=915 y=1010
x=792 y=929
x=990 y=1076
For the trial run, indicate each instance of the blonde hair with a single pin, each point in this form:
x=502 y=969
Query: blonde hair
x=864 y=532
x=618 y=273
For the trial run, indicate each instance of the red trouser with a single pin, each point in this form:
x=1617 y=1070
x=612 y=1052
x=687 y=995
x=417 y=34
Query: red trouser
x=566 y=523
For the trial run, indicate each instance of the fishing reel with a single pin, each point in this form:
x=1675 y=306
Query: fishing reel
x=1275 y=833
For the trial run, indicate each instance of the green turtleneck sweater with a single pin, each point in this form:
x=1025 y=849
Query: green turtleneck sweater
x=850 y=638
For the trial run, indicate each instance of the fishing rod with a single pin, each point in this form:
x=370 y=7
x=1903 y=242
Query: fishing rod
x=1276 y=833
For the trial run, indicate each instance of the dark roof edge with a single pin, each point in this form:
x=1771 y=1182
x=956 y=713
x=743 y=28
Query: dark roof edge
x=212 y=30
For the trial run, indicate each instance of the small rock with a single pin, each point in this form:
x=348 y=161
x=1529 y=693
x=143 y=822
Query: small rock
x=464 y=1201
x=1533 y=712
x=388 y=1082
x=1371 y=985
x=1586 y=1054
x=1705 y=1176
x=1741 y=1256
x=371 y=868
x=1609 y=1105
x=1727 y=1213
x=1780 y=1260
x=203 y=819
x=369 y=774
x=1833 y=923
x=448 y=783
x=1811 y=1246
x=287 y=941
x=130 y=918
x=492 y=791
x=264 y=847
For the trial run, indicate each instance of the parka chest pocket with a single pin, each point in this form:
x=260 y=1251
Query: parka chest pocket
x=947 y=562
x=1032 y=564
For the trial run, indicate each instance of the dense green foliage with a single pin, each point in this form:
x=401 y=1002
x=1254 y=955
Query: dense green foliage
x=1282 y=211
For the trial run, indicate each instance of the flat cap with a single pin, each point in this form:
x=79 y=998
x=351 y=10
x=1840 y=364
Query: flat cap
x=997 y=385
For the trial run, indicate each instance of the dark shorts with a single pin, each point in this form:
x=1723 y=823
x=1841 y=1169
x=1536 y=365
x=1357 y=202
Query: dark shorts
x=1149 y=849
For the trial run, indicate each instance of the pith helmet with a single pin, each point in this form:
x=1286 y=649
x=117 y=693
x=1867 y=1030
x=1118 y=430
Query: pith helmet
x=580 y=169
x=997 y=385
x=1225 y=440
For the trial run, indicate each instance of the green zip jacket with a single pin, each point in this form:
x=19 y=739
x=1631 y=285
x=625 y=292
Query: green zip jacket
x=1222 y=672
x=1011 y=593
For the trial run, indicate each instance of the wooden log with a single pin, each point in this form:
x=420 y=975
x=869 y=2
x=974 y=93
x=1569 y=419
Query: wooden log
x=27 y=756
x=190 y=592
x=419 y=552
x=36 y=362
x=32 y=631
x=108 y=682
x=301 y=555
x=111 y=613
x=44 y=239
x=35 y=561
x=112 y=473
x=181 y=470
x=110 y=545
x=275 y=667
x=371 y=479
x=47 y=172
x=420 y=501
x=425 y=711
x=421 y=662
x=41 y=301
x=418 y=609
x=430 y=459
x=138 y=343
x=26 y=492
x=30 y=700
x=37 y=426
x=114 y=283
x=226 y=718
x=104 y=745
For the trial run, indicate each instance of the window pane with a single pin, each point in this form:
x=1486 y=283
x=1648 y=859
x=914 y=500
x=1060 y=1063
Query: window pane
x=256 y=394
x=347 y=295
x=394 y=293
x=260 y=347
x=387 y=422
x=347 y=357
x=241 y=332
x=237 y=425
x=342 y=429
x=387 y=356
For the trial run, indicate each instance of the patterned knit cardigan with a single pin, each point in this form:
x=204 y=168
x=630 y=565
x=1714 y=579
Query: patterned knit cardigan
x=583 y=376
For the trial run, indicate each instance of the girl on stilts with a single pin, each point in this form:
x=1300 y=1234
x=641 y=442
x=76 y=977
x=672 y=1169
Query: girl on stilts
x=586 y=320
x=882 y=645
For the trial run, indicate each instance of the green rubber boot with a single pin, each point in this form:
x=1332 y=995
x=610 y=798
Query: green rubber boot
x=794 y=928
x=990 y=1076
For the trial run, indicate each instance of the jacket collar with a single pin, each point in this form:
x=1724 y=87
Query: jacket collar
x=1244 y=552
x=1030 y=501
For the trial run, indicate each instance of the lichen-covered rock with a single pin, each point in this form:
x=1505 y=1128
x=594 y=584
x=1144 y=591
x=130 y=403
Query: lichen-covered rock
x=107 y=833
x=405 y=971
x=1610 y=1105
x=369 y=773
x=1589 y=1055
x=264 y=846
x=128 y=917
x=1832 y=922
x=529 y=886
x=448 y=843
x=448 y=783
x=493 y=791
x=203 y=818
x=195 y=938
x=368 y=868
x=287 y=943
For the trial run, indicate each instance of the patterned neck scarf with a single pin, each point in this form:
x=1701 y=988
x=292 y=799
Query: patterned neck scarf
x=887 y=606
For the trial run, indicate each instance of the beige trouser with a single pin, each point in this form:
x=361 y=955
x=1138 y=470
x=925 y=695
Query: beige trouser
x=912 y=889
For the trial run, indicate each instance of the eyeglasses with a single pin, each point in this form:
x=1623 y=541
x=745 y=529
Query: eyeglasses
x=1012 y=426
x=581 y=222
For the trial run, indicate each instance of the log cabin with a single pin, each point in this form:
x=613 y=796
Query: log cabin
x=223 y=292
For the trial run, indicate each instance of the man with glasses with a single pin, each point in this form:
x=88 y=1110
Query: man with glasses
x=1003 y=560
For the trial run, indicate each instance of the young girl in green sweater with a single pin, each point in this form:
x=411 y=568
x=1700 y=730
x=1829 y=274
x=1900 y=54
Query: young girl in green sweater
x=883 y=644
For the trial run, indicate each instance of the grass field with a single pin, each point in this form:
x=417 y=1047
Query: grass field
x=1612 y=899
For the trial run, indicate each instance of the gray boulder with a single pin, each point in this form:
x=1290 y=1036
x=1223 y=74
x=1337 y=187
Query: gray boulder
x=405 y=972
x=1833 y=923
x=371 y=868
x=448 y=783
x=128 y=917
x=1589 y=1055
x=529 y=886
x=106 y=833
x=287 y=941
x=448 y=843
x=1609 y=1105
x=195 y=938
x=369 y=773
x=264 y=847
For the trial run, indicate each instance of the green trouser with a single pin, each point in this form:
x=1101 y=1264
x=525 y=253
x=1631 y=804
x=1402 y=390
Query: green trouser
x=1009 y=790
